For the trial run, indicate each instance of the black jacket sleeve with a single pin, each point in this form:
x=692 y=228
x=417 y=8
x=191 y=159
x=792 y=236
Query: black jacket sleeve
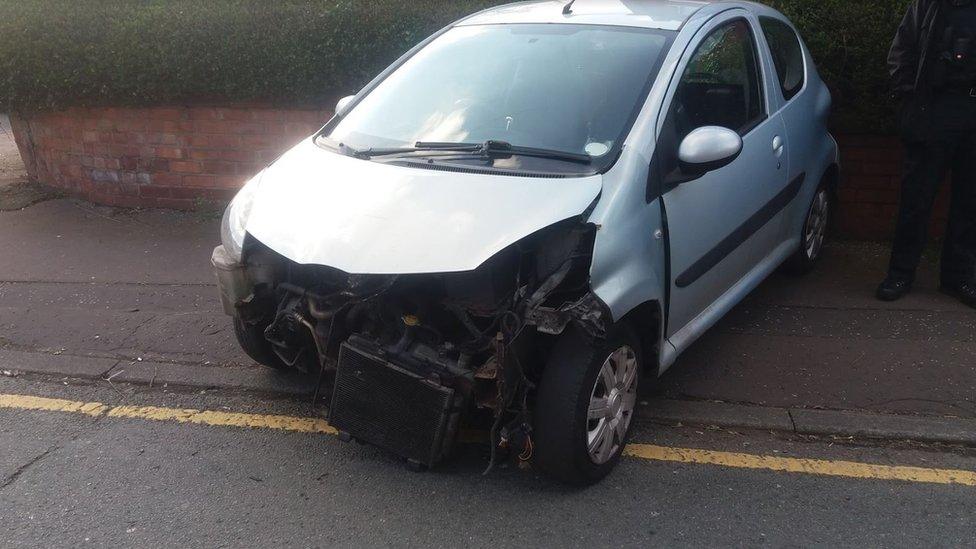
x=903 y=58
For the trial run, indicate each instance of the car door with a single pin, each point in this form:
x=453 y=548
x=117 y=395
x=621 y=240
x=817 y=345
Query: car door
x=789 y=71
x=718 y=224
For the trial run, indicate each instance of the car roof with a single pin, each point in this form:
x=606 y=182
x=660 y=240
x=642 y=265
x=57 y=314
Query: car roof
x=653 y=14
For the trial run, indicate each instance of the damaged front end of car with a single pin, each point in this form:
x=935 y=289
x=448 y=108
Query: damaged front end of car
x=410 y=356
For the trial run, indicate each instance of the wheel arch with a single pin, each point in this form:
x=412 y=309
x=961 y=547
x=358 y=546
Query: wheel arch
x=831 y=177
x=646 y=320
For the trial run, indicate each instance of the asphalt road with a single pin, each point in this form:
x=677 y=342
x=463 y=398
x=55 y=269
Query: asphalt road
x=71 y=478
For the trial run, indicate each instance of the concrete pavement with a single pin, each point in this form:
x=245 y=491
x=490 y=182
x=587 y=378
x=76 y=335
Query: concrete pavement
x=131 y=292
x=823 y=341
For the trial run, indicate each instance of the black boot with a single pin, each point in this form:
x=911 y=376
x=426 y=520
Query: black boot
x=963 y=291
x=893 y=289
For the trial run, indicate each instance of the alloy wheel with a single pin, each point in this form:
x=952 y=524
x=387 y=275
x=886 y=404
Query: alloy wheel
x=816 y=225
x=612 y=404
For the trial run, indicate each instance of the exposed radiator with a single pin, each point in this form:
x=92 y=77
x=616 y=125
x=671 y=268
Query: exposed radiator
x=380 y=403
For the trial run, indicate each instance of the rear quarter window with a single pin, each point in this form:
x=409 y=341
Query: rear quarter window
x=787 y=54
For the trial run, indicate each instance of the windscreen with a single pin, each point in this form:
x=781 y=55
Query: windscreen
x=570 y=88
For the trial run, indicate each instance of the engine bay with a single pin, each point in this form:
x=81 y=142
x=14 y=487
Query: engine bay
x=456 y=343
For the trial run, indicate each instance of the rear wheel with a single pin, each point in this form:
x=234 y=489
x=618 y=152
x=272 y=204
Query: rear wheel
x=586 y=403
x=251 y=338
x=813 y=234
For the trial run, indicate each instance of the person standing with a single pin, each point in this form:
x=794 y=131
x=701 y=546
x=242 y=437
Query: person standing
x=932 y=64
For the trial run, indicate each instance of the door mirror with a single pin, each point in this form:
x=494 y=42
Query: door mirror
x=708 y=148
x=343 y=105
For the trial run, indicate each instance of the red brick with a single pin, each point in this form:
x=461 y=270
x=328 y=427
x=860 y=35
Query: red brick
x=202 y=113
x=267 y=115
x=155 y=164
x=199 y=180
x=133 y=125
x=301 y=116
x=195 y=141
x=165 y=113
x=260 y=141
x=128 y=189
x=268 y=156
x=215 y=141
x=184 y=166
x=155 y=191
x=158 y=138
x=250 y=168
x=212 y=126
x=234 y=114
x=847 y=195
x=870 y=182
x=166 y=179
x=226 y=141
x=220 y=167
x=276 y=128
x=174 y=153
x=228 y=181
x=221 y=195
x=301 y=129
x=185 y=193
x=162 y=126
x=156 y=151
x=881 y=168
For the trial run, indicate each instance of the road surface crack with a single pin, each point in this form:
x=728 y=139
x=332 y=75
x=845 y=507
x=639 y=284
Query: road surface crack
x=37 y=459
x=789 y=413
x=20 y=470
x=131 y=335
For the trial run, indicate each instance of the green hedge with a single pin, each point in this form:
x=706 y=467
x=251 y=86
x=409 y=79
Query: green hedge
x=68 y=52
x=55 y=53
x=850 y=41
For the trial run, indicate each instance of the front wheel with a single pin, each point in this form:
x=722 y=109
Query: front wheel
x=252 y=341
x=586 y=403
x=813 y=234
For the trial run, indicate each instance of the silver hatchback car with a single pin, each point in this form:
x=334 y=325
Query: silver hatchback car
x=528 y=212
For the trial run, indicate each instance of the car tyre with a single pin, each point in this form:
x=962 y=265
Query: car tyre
x=581 y=374
x=814 y=233
x=252 y=341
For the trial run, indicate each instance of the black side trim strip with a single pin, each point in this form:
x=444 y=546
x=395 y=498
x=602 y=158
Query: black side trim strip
x=741 y=234
x=667 y=267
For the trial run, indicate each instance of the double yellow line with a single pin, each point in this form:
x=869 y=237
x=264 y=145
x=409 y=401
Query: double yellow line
x=178 y=415
x=848 y=469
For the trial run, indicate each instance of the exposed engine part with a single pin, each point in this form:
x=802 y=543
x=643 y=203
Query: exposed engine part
x=468 y=339
x=290 y=336
x=378 y=402
x=588 y=312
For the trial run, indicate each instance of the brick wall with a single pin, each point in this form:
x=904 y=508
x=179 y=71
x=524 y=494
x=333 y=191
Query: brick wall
x=172 y=157
x=176 y=157
x=871 y=179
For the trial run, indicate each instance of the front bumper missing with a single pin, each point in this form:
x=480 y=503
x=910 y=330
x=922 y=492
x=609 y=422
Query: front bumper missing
x=232 y=280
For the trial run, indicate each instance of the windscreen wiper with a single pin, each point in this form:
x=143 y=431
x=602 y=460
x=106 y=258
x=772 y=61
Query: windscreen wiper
x=487 y=149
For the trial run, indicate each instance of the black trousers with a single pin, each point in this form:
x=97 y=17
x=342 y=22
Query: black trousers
x=940 y=137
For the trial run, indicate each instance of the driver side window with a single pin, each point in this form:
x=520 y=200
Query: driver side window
x=721 y=86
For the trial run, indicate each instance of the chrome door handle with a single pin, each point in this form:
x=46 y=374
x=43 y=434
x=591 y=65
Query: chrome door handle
x=778 y=145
